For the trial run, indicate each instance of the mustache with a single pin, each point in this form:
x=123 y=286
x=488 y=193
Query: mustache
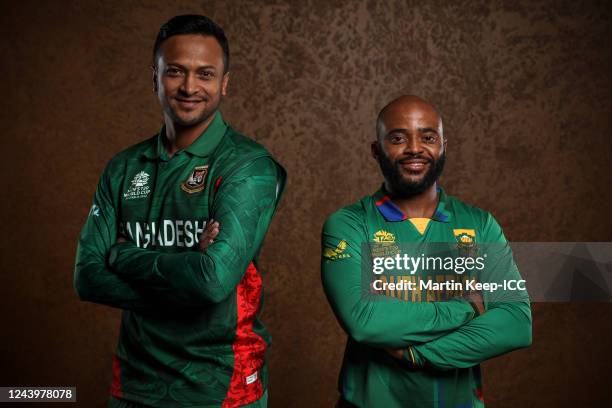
x=413 y=157
x=191 y=97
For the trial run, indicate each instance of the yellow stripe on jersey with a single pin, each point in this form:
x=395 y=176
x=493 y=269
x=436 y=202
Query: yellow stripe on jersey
x=420 y=224
x=469 y=232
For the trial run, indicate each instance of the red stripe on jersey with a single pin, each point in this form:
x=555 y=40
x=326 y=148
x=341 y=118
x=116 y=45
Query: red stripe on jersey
x=249 y=348
x=217 y=184
x=116 y=390
x=383 y=200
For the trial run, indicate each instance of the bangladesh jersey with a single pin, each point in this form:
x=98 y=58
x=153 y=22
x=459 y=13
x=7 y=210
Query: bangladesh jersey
x=443 y=338
x=190 y=331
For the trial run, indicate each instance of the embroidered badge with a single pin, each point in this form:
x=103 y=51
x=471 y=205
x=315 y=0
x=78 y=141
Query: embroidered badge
x=384 y=244
x=139 y=187
x=337 y=253
x=383 y=236
x=197 y=179
x=466 y=242
x=465 y=237
x=95 y=210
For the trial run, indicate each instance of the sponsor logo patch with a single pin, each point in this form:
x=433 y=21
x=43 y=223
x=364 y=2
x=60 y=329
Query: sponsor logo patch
x=139 y=187
x=251 y=378
x=337 y=253
x=383 y=236
x=384 y=244
x=95 y=211
x=196 y=181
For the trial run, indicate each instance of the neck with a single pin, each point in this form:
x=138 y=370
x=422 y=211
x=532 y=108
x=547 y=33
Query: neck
x=179 y=137
x=419 y=206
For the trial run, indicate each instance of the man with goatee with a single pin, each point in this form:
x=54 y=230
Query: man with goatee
x=416 y=349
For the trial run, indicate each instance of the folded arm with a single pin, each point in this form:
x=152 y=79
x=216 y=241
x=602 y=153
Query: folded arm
x=243 y=207
x=377 y=320
x=93 y=279
x=505 y=325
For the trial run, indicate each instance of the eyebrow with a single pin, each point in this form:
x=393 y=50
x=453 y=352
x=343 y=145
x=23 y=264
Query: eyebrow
x=428 y=129
x=176 y=64
x=405 y=131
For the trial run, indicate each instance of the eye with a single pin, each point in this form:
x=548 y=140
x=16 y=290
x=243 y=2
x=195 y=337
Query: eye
x=172 y=72
x=396 y=138
x=206 y=74
x=430 y=138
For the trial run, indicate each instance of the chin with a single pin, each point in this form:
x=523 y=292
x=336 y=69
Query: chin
x=413 y=181
x=188 y=120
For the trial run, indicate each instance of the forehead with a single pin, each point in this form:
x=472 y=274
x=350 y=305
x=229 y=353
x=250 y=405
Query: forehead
x=409 y=115
x=193 y=49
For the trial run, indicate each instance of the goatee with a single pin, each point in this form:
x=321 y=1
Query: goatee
x=406 y=189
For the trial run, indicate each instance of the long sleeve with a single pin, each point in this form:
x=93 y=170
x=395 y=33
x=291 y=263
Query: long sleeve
x=93 y=280
x=505 y=325
x=243 y=206
x=378 y=322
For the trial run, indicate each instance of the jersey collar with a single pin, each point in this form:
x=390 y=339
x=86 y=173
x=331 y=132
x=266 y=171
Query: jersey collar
x=393 y=213
x=203 y=146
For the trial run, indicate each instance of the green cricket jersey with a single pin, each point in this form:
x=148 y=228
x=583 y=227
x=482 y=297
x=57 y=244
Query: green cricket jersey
x=445 y=338
x=190 y=333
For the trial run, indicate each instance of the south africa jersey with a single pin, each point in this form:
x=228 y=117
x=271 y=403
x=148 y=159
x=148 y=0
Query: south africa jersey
x=443 y=338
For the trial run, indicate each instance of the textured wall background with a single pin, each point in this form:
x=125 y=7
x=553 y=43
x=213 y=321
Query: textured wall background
x=525 y=90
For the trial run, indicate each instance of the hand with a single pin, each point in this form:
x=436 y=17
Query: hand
x=404 y=354
x=208 y=235
x=475 y=298
x=396 y=353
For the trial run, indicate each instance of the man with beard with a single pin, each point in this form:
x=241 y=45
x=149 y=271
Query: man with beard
x=173 y=235
x=416 y=349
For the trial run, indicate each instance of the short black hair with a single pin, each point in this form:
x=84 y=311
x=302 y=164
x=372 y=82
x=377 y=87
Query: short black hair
x=192 y=24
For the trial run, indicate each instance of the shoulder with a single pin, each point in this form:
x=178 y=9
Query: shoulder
x=237 y=143
x=349 y=218
x=132 y=153
x=241 y=156
x=479 y=219
x=463 y=210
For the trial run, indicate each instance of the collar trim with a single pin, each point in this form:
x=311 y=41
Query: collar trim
x=203 y=146
x=391 y=212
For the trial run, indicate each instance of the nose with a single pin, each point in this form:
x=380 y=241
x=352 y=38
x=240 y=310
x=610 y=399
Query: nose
x=189 y=85
x=413 y=145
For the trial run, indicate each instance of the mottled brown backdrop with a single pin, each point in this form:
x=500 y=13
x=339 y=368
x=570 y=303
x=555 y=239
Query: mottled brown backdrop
x=525 y=89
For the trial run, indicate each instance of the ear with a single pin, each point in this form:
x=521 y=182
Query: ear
x=375 y=149
x=224 y=83
x=154 y=77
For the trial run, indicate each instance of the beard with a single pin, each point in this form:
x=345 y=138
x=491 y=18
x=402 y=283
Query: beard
x=403 y=188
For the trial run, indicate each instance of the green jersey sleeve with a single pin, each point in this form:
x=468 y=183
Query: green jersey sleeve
x=505 y=325
x=387 y=322
x=243 y=206
x=94 y=281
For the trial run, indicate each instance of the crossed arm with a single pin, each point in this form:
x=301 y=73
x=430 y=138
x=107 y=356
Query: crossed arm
x=117 y=273
x=438 y=335
x=388 y=323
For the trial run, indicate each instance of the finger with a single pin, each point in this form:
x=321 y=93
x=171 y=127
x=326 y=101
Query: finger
x=214 y=232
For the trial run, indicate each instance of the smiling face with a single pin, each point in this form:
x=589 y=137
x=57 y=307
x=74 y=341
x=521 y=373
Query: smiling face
x=189 y=78
x=411 y=146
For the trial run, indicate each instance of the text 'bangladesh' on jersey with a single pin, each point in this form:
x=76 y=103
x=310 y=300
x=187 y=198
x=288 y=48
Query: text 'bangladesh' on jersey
x=190 y=333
